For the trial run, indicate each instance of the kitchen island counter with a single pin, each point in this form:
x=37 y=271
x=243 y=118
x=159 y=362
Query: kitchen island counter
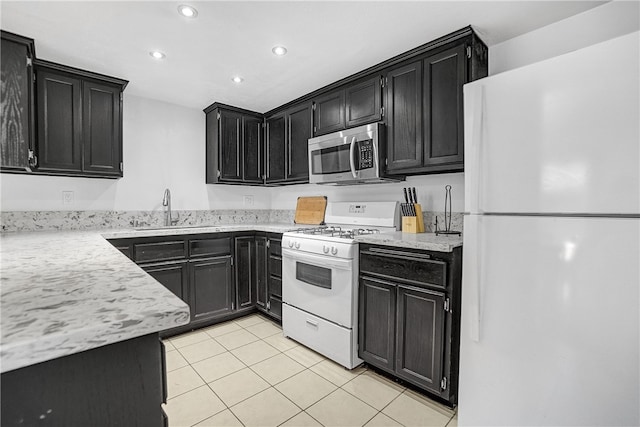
x=424 y=241
x=65 y=292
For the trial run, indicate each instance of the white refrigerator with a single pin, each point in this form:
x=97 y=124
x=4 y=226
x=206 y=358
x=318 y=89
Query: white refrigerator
x=550 y=329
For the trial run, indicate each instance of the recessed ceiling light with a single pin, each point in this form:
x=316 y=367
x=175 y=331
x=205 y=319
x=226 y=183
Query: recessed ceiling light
x=187 y=11
x=279 y=50
x=156 y=54
x=237 y=79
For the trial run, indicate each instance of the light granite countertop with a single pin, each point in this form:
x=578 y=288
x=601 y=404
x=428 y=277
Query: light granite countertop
x=424 y=241
x=63 y=292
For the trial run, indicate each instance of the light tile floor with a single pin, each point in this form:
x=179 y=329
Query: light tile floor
x=245 y=372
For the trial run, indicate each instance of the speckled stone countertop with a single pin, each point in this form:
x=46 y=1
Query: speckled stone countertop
x=424 y=241
x=63 y=292
x=66 y=292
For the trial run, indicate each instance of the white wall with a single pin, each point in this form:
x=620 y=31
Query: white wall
x=163 y=147
x=601 y=23
x=430 y=190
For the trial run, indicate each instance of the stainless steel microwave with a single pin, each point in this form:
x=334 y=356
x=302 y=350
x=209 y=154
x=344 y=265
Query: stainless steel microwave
x=351 y=156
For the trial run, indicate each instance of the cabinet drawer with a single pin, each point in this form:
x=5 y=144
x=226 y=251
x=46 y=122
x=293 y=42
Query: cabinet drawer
x=159 y=251
x=275 y=246
x=275 y=266
x=407 y=267
x=209 y=247
x=275 y=286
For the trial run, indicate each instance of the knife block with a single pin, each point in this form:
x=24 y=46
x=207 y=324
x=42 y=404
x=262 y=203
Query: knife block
x=413 y=224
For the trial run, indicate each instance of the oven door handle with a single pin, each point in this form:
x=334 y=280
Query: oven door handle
x=352 y=162
x=317 y=260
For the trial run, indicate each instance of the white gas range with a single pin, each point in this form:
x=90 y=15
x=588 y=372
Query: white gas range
x=320 y=277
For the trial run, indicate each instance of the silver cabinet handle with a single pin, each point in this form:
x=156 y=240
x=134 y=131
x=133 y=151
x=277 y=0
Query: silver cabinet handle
x=312 y=323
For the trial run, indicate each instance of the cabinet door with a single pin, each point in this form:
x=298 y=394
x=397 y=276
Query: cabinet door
x=59 y=111
x=102 y=129
x=363 y=102
x=230 y=145
x=172 y=275
x=245 y=271
x=298 y=133
x=16 y=102
x=419 y=338
x=211 y=288
x=261 y=269
x=376 y=334
x=252 y=149
x=404 y=117
x=444 y=75
x=329 y=113
x=275 y=162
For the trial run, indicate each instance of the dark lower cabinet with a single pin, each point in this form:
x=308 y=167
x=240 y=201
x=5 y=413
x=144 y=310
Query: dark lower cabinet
x=377 y=323
x=173 y=275
x=17 y=100
x=245 y=256
x=409 y=317
x=211 y=288
x=120 y=384
x=268 y=268
x=419 y=341
x=262 y=272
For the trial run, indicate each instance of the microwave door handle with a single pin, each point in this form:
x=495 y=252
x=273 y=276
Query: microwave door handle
x=352 y=163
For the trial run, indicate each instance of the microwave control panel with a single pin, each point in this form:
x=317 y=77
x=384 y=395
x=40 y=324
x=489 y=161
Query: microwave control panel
x=365 y=157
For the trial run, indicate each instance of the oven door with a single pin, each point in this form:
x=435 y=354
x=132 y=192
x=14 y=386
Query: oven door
x=320 y=285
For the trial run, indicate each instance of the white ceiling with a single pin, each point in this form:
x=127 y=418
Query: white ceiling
x=327 y=40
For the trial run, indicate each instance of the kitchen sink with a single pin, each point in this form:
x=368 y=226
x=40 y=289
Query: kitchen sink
x=171 y=227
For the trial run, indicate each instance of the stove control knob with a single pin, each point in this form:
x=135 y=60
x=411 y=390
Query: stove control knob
x=334 y=250
x=325 y=249
x=290 y=243
x=297 y=245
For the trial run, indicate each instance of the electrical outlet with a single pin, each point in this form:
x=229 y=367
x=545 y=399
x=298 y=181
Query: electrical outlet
x=67 y=197
x=248 y=200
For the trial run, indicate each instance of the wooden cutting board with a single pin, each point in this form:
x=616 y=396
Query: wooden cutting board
x=310 y=210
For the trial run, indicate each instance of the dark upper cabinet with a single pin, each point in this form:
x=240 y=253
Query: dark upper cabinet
x=79 y=122
x=230 y=145
x=299 y=124
x=443 y=113
x=357 y=103
x=276 y=148
x=329 y=113
x=403 y=117
x=363 y=102
x=234 y=145
x=59 y=122
x=17 y=103
x=253 y=149
x=288 y=133
x=102 y=128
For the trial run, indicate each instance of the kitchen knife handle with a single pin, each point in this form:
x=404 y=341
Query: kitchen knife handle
x=406 y=199
x=415 y=196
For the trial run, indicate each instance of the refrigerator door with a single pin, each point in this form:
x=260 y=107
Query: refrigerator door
x=550 y=322
x=558 y=136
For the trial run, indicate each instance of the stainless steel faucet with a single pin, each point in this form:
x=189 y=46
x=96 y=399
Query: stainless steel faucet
x=166 y=201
